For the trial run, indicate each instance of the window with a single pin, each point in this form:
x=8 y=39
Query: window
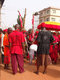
x=54 y=11
x=41 y=14
x=41 y=21
x=59 y=20
x=44 y=12
x=53 y=19
x=48 y=11
x=47 y=19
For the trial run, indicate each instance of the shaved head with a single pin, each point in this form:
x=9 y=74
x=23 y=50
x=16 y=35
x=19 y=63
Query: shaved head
x=9 y=30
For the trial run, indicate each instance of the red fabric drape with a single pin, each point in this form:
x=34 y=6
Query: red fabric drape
x=49 y=26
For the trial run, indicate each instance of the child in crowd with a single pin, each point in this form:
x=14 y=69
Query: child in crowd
x=33 y=48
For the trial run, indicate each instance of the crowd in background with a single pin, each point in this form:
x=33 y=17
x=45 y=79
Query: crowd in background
x=15 y=45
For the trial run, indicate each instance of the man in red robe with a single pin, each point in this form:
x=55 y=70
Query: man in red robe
x=35 y=37
x=6 y=48
x=29 y=38
x=16 y=40
x=54 y=49
x=59 y=44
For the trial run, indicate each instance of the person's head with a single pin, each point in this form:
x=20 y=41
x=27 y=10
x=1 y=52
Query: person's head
x=4 y=31
x=36 y=33
x=9 y=30
x=29 y=31
x=43 y=28
x=54 y=33
x=0 y=30
x=17 y=26
x=57 y=33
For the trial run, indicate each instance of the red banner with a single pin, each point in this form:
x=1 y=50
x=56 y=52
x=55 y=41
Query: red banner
x=33 y=26
x=20 y=19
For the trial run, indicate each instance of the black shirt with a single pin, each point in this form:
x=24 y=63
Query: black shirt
x=44 y=39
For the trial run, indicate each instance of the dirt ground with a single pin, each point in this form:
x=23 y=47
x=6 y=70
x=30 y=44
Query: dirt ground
x=53 y=73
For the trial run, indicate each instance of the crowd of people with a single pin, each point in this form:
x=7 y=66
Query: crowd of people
x=15 y=45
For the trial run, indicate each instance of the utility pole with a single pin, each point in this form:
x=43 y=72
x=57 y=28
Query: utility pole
x=24 y=18
x=37 y=20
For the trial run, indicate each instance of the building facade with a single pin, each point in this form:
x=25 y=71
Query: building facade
x=49 y=14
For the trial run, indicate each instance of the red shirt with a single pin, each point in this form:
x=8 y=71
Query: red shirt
x=59 y=37
x=16 y=39
x=56 y=39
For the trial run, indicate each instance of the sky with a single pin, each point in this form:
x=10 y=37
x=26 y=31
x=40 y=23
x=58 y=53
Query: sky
x=11 y=7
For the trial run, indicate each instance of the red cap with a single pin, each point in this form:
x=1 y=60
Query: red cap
x=36 y=32
x=54 y=33
x=5 y=30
